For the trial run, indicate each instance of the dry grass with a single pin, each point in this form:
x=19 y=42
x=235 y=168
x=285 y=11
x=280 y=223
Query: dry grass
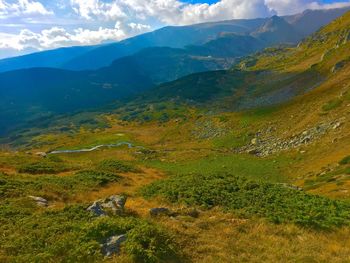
x=219 y=237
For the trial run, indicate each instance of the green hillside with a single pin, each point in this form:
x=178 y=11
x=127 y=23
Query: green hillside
x=250 y=164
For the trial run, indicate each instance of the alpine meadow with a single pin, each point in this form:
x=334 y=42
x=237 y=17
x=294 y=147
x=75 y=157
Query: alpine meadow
x=223 y=139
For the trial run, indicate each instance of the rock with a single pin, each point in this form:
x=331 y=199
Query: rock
x=41 y=154
x=39 y=200
x=254 y=141
x=112 y=245
x=340 y=65
x=337 y=125
x=115 y=202
x=253 y=151
x=96 y=209
x=159 y=211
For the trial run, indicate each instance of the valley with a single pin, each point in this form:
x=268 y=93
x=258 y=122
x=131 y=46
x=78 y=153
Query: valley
x=249 y=162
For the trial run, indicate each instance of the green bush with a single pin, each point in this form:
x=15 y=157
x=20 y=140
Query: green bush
x=345 y=161
x=64 y=186
x=331 y=105
x=43 y=167
x=147 y=243
x=98 y=178
x=247 y=198
x=74 y=235
x=116 y=166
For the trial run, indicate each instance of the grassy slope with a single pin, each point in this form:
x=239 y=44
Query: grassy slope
x=183 y=147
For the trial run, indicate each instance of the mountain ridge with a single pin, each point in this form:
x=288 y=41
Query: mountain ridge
x=103 y=55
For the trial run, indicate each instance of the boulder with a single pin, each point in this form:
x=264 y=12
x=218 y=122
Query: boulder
x=112 y=245
x=39 y=200
x=116 y=203
x=96 y=209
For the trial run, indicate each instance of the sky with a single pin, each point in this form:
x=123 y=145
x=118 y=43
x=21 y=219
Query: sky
x=35 y=25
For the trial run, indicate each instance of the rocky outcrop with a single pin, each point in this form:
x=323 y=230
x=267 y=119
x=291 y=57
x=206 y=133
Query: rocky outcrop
x=39 y=201
x=265 y=144
x=112 y=245
x=208 y=129
x=96 y=209
x=114 y=204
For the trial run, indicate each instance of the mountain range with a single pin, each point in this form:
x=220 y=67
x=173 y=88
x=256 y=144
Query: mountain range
x=143 y=63
x=94 y=57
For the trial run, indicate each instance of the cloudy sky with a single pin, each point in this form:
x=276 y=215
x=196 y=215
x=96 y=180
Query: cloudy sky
x=32 y=25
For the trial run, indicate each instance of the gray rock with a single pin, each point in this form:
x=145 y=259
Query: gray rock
x=112 y=245
x=159 y=211
x=116 y=203
x=96 y=209
x=254 y=141
x=39 y=200
x=337 y=125
x=41 y=154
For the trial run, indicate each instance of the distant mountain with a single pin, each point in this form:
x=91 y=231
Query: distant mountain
x=304 y=23
x=94 y=57
x=51 y=58
x=277 y=31
x=270 y=77
x=29 y=93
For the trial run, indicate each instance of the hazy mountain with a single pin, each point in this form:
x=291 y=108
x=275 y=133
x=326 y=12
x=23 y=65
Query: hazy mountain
x=272 y=76
x=94 y=57
x=277 y=31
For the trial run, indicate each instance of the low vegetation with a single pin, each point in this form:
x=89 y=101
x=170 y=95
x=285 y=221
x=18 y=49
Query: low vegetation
x=332 y=104
x=277 y=203
x=43 y=167
x=116 y=166
x=53 y=186
x=74 y=235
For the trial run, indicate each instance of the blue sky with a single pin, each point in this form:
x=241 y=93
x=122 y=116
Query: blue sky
x=32 y=25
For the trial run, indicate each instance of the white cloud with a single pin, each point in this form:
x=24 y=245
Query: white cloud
x=58 y=37
x=285 y=7
x=176 y=12
x=22 y=8
x=90 y=9
x=119 y=19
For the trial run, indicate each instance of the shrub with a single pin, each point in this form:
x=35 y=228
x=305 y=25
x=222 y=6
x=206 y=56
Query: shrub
x=247 y=198
x=147 y=243
x=73 y=235
x=345 y=161
x=331 y=105
x=22 y=185
x=116 y=166
x=96 y=177
x=43 y=167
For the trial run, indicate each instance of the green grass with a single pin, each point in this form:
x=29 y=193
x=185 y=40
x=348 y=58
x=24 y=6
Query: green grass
x=248 y=198
x=74 y=235
x=232 y=140
x=240 y=165
x=53 y=186
x=346 y=160
x=332 y=104
x=161 y=112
